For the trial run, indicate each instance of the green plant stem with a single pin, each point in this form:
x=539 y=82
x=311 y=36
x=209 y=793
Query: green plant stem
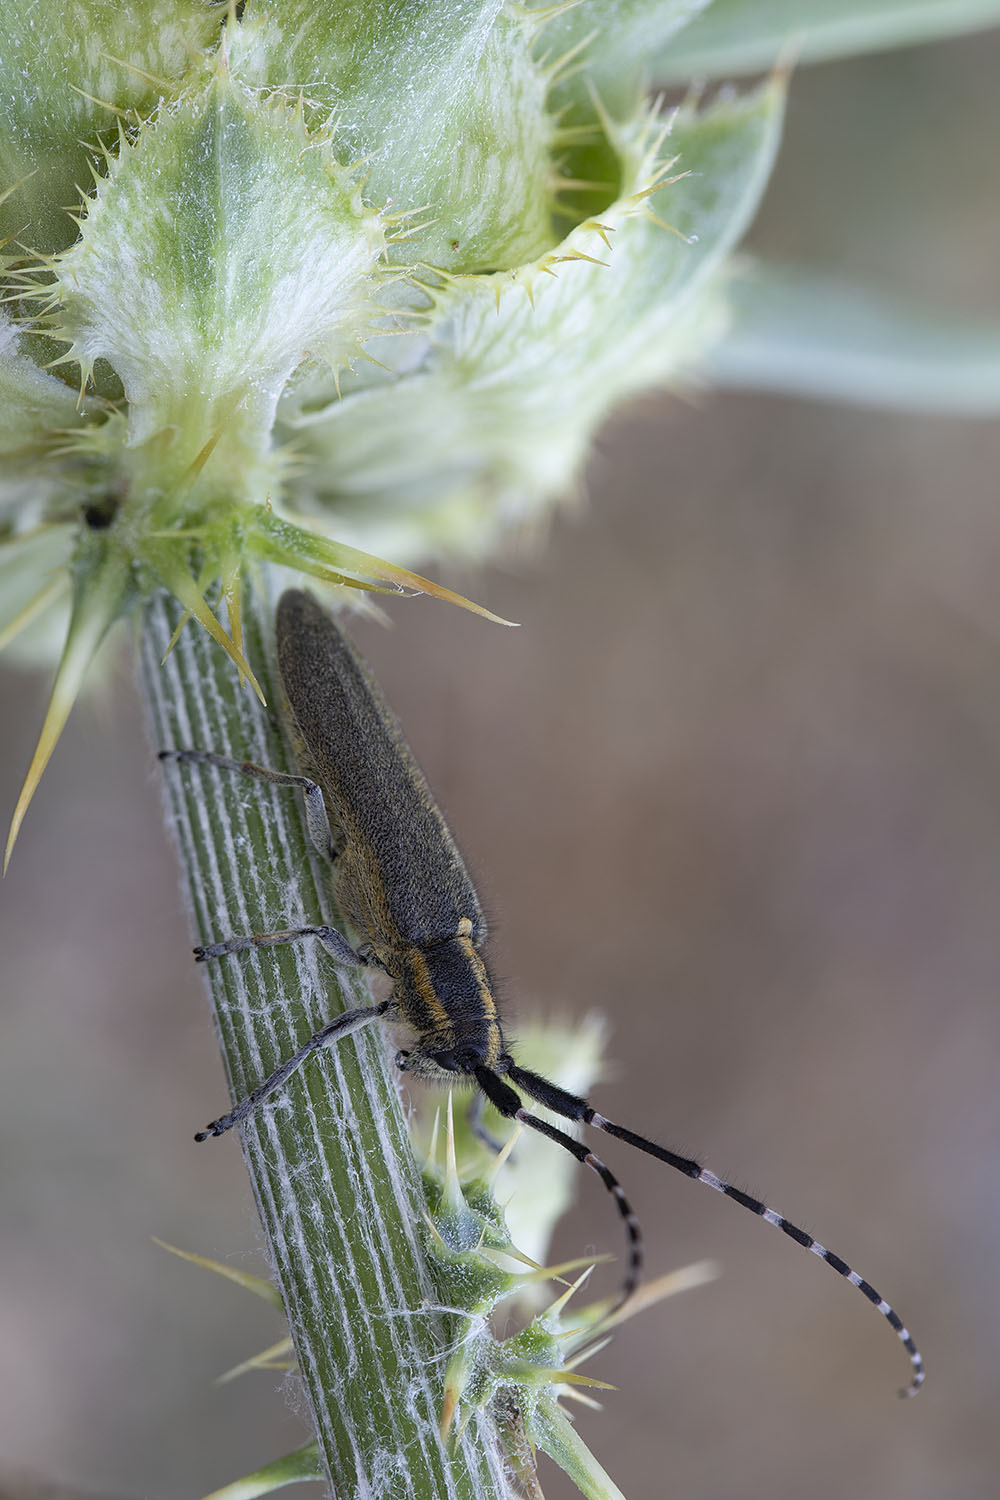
x=338 y=1188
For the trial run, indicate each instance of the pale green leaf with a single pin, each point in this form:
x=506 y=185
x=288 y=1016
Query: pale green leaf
x=807 y=334
x=746 y=36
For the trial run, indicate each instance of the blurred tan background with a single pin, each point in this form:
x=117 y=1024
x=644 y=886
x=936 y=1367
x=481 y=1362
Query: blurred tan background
x=735 y=782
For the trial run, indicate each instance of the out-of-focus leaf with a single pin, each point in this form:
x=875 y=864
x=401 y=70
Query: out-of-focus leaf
x=618 y=37
x=745 y=36
x=810 y=335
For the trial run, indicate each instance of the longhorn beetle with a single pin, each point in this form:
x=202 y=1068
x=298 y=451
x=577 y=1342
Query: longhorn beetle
x=401 y=884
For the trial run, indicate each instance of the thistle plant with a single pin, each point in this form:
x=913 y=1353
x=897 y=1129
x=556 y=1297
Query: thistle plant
x=347 y=290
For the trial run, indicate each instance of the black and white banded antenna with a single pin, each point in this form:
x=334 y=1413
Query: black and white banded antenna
x=546 y=1093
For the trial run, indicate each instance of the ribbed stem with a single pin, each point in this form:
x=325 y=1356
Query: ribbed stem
x=338 y=1188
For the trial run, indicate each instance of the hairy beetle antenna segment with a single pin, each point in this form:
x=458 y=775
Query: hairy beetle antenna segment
x=401 y=883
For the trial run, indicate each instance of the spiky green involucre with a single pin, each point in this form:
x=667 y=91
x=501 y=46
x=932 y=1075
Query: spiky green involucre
x=343 y=284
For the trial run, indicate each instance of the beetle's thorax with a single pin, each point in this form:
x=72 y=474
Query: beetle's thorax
x=444 y=993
